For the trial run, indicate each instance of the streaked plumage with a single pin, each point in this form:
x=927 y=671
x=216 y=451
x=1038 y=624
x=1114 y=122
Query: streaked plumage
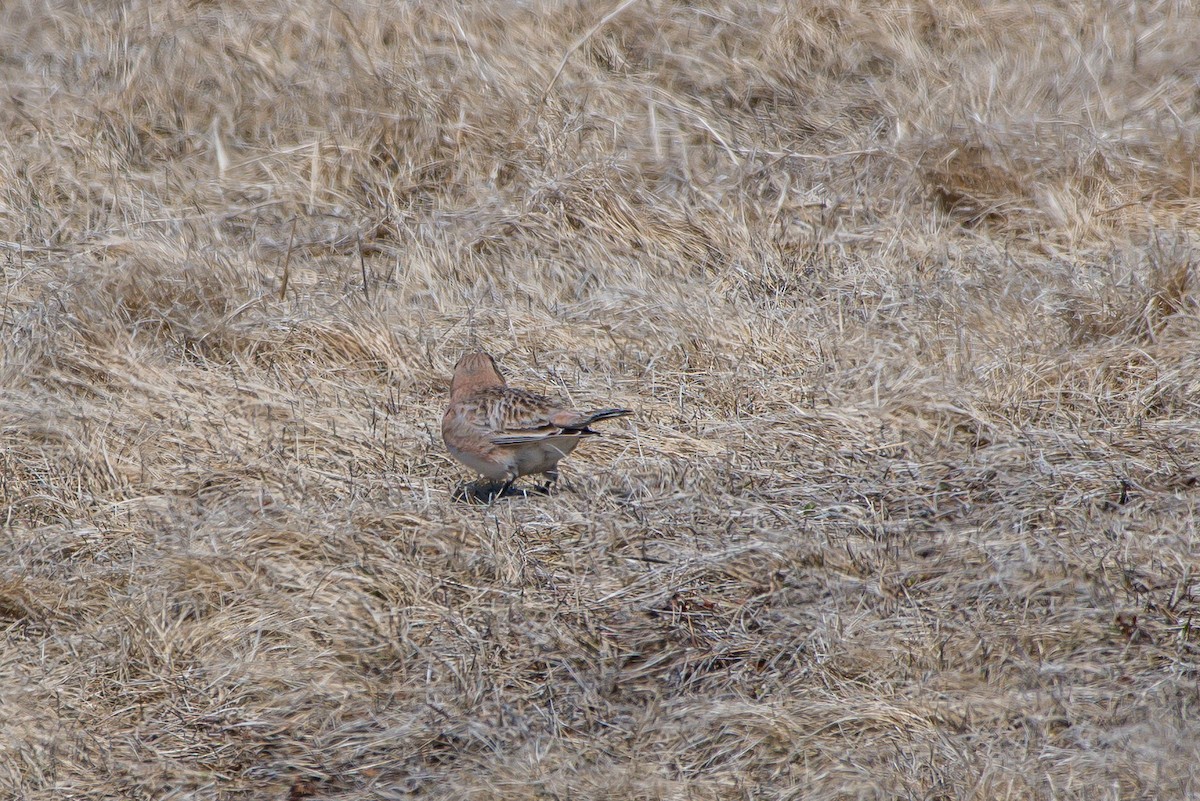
x=504 y=433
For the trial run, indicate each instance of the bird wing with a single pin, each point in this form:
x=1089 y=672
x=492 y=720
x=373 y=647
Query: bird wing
x=550 y=432
x=515 y=417
x=512 y=416
x=558 y=423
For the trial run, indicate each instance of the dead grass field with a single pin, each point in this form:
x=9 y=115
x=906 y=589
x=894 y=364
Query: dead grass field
x=904 y=295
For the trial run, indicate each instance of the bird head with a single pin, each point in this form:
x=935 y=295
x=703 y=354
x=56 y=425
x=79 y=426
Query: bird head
x=475 y=370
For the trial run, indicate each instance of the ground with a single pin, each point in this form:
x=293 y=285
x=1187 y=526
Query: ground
x=903 y=295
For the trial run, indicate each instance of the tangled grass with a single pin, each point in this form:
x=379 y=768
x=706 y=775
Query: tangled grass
x=903 y=293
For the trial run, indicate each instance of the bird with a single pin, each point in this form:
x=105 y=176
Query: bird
x=504 y=433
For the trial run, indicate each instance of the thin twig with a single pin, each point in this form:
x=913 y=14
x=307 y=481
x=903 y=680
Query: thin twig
x=580 y=43
x=287 y=261
x=362 y=263
x=789 y=154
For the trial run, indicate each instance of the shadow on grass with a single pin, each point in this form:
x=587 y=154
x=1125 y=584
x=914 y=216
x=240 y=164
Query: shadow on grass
x=486 y=492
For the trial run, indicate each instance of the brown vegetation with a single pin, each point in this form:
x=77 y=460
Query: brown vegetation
x=903 y=293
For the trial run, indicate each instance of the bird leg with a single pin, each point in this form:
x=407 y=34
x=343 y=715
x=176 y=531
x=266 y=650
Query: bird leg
x=551 y=481
x=504 y=487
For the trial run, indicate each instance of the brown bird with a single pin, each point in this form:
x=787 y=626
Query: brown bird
x=505 y=433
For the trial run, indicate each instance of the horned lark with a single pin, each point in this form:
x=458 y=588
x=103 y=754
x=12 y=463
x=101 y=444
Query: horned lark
x=505 y=433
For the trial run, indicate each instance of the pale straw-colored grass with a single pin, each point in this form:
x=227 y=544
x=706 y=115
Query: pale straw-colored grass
x=903 y=293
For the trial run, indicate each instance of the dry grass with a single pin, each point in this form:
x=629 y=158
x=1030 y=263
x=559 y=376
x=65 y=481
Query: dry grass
x=904 y=294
